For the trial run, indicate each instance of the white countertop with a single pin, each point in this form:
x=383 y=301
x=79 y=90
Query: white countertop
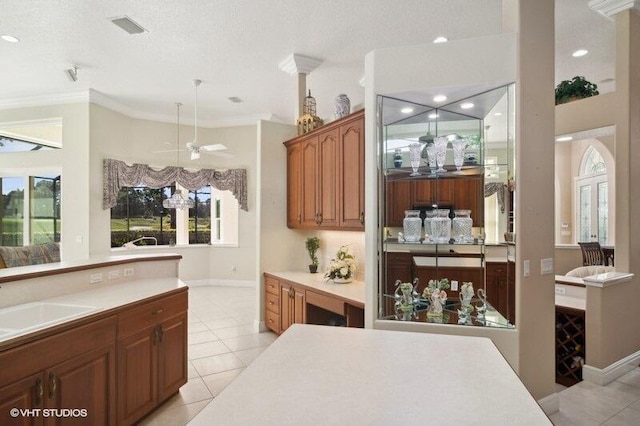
x=316 y=375
x=103 y=297
x=353 y=291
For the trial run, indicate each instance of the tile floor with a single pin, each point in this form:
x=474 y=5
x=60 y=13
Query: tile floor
x=222 y=343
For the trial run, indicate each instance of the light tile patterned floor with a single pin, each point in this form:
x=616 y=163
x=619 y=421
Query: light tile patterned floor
x=222 y=343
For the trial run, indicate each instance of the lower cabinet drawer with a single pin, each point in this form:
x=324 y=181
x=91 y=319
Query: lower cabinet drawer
x=150 y=313
x=325 y=302
x=272 y=321
x=271 y=285
x=272 y=303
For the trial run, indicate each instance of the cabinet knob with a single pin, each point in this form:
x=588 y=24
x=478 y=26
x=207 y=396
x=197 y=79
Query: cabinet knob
x=39 y=391
x=53 y=381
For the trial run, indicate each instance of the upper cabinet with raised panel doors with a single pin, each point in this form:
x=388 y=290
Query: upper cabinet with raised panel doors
x=325 y=176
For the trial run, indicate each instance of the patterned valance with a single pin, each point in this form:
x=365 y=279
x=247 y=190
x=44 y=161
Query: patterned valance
x=117 y=175
x=500 y=189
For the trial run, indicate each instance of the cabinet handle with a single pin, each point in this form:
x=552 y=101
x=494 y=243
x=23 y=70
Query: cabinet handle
x=39 y=391
x=362 y=218
x=157 y=311
x=52 y=385
x=160 y=333
x=299 y=218
x=319 y=218
x=154 y=335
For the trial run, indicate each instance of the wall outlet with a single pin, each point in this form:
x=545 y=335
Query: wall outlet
x=95 y=278
x=454 y=285
x=128 y=272
x=560 y=290
x=115 y=274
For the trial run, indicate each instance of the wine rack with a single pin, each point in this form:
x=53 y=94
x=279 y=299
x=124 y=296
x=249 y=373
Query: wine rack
x=570 y=345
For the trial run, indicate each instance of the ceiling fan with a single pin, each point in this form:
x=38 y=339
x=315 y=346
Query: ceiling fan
x=193 y=147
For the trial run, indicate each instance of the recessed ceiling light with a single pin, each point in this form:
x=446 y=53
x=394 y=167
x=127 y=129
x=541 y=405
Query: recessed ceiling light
x=439 y=98
x=466 y=105
x=406 y=110
x=564 y=139
x=9 y=38
x=497 y=114
x=433 y=115
x=580 y=52
x=440 y=39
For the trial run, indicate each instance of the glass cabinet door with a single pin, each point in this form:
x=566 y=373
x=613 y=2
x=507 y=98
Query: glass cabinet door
x=444 y=209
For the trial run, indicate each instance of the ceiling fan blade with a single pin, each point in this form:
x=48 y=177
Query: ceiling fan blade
x=195 y=155
x=221 y=154
x=213 y=147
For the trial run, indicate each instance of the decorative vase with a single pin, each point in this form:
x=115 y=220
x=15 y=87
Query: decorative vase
x=313 y=268
x=414 y=156
x=342 y=280
x=459 y=145
x=343 y=106
x=441 y=227
x=397 y=158
x=412 y=226
x=441 y=153
x=431 y=154
x=462 y=225
x=428 y=230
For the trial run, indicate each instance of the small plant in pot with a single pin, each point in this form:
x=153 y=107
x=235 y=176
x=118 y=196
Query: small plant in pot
x=313 y=244
x=574 y=89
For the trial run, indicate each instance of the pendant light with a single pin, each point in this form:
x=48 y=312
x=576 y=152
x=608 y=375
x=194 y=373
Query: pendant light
x=177 y=201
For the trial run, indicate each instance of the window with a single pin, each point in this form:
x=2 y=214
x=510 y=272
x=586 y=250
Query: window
x=139 y=215
x=8 y=144
x=45 y=209
x=592 y=198
x=12 y=211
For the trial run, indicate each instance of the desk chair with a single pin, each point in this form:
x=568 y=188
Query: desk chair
x=592 y=254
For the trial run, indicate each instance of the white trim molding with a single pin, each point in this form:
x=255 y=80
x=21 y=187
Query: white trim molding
x=550 y=404
x=608 y=8
x=604 y=376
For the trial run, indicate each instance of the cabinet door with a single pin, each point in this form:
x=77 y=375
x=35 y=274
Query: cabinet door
x=299 y=307
x=85 y=382
x=137 y=375
x=327 y=176
x=25 y=394
x=469 y=195
x=294 y=181
x=497 y=286
x=309 y=173
x=398 y=200
x=398 y=267
x=351 y=192
x=443 y=192
x=286 y=307
x=172 y=356
x=423 y=192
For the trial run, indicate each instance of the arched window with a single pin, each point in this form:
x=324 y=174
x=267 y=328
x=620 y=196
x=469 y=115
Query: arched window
x=592 y=198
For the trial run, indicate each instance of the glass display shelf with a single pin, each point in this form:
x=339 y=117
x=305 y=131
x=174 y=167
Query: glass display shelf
x=491 y=318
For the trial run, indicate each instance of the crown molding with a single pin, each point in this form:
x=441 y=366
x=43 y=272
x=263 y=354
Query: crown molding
x=608 y=8
x=299 y=64
x=98 y=98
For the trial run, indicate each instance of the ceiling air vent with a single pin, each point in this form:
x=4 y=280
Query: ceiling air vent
x=128 y=24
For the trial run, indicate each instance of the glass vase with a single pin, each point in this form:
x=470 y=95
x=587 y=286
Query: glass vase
x=428 y=231
x=462 y=224
x=412 y=226
x=441 y=153
x=459 y=145
x=414 y=156
x=441 y=227
x=431 y=157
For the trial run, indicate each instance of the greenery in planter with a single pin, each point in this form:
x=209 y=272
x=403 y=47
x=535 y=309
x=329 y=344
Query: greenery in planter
x=313 y=244
x=576 y=88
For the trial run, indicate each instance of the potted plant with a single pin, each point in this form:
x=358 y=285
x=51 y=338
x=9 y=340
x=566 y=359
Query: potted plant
x=574 y=89
x=313 y=244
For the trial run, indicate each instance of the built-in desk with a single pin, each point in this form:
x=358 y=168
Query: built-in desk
x=316 y=375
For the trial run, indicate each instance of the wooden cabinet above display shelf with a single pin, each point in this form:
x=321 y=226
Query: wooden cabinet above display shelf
x=325 y=176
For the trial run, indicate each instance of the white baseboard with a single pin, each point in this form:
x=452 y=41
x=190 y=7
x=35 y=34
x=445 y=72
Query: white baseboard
x=224 y=283
x=550 y=404
x=604 y=376
x=258 y=326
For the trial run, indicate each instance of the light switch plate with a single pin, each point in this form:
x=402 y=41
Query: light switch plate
x=546 y=266
x=527 y=268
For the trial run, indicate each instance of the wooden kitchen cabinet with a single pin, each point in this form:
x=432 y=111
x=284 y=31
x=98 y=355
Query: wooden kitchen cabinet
x=325 y=176
x=151 y=355
x=272 y=304
x=292 y=305
x=74 y=369
x=497 y=287
x=398 y=199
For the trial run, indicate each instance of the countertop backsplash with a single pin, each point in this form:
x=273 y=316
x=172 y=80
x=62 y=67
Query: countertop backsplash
x=331 y=241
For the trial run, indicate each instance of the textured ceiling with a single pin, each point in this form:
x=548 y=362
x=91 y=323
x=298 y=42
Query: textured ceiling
x=235 y=48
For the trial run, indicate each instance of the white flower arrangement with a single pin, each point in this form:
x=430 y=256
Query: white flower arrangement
x=342 y=267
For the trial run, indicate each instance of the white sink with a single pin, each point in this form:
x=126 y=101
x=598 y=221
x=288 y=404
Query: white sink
x=30 y=316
